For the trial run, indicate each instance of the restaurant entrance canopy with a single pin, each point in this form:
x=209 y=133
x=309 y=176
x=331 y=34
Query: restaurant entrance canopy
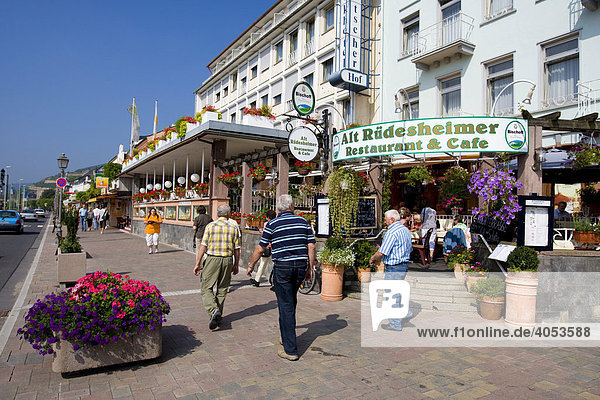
x=433 y=135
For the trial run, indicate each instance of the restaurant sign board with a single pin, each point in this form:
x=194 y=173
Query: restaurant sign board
x=433 y=135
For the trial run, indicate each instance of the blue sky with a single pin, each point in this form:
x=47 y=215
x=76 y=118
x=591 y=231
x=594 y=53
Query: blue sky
x=70 y=68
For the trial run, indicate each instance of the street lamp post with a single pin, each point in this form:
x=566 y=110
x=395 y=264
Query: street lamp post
x=63 y=162
x=19 y=204
x=6 y=189
x=526 y=100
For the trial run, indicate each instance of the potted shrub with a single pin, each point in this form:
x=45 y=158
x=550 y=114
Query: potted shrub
x=259 y=173
x=586 y=231
x=303 y=167
x=521 y=286
x=334 y=257
x=363 y=250
x=104 y=320
x=230 y=180
x=490 y=296
x=261 y=117
x=71 y=259
x=208 y=113
x=460 y=259
x=474 y=273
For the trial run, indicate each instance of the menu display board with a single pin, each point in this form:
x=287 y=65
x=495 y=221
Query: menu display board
x=493 y=230
x=536 y=220
x=367 y=213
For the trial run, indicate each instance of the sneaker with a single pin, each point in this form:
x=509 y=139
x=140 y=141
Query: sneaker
x=150 y=252
x=214 y=320
x=281 y=353
x=155 y=251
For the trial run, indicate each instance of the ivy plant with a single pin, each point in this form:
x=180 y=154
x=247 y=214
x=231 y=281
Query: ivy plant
x=345 y=186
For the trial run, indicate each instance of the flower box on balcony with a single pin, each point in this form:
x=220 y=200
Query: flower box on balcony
x=262 y=122
x=191 y=126
x=210 y=116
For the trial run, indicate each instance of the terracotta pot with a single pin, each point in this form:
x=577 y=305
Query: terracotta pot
x=470 y=281
x=332 y=280
x=521 y=294
x=364 y=275
x=458 y=271
x=586 y=237
x=303 y=171
x=491 y=307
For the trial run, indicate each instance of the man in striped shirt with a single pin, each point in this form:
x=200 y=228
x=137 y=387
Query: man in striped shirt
x=395 y=251
x=221 y=241
x=293 y=249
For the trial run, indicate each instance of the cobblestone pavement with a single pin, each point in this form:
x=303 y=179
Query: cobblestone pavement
x=240 y=360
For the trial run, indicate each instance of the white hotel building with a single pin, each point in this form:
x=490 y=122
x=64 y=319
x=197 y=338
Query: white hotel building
x=453 y=58
x=292 y=41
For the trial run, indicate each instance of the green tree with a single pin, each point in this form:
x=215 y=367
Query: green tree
x=111 y=171
x=48 y=194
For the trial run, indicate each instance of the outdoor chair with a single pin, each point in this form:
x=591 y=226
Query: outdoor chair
x=421 y=247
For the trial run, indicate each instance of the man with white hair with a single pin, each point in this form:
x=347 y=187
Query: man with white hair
x=395 y=251
x=293 y=251
x=221 y=241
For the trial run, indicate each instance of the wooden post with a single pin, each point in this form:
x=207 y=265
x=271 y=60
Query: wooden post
x=374 y=175
x=531 y=180
x=283 y=174
x=246 y=206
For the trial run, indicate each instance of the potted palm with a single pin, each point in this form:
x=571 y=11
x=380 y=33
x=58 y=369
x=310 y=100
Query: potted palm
x=521 y=286
x=334 y=257
x=490 y=296
x=71 y=263
x=104 y=320
x=363 y=251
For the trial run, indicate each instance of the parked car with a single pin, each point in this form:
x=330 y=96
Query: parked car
x=28 y=214
x=40 y=212
x=11 y=221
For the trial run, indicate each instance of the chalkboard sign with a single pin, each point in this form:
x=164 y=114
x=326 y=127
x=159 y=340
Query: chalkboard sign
x=367 y=213
x=491 y=229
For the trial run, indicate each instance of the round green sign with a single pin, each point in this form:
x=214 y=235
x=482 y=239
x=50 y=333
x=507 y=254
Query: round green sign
x=303 y=98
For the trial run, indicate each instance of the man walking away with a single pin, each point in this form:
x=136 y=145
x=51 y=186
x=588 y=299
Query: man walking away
x=82 y=215
x=293 y=246
x=221 y=241
x=395 y=251
x=96 y=217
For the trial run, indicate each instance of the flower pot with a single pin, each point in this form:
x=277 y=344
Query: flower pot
x=161 y=143
x=237 y=220
x=259 y=178
x=521 y=294
x=191 y=126
x=71 y=266
x=458 y=271
x=491 y=307
x=145 y=346
x=586 y=237
x=262 y=122
x=231 y=184
x=364 y=275
x=470 y=280
x=332 y=280
x=209 y=116
x=303 y=171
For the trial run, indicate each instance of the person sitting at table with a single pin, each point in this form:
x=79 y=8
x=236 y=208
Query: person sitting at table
x=455 y=236
x=417 y=225
x=459 y=223
x=560 y=211
x=405 y=216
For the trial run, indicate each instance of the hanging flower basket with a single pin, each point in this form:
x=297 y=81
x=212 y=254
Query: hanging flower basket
x=230 y=180
x=259 y=173
x=303 y=167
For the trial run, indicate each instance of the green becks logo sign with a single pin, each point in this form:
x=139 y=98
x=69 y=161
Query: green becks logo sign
x=433 y=135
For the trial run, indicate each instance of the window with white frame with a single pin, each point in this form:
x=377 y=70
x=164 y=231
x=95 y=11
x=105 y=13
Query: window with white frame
x=217 y=97
x=232 y=118
x=451 y=26
x=561 y=72
x=309 y=79
x=253 y=104
x=277 y=99
x=410 y=33
x=450 y=96
x=410 y=103
x=329 y=17
x=225 y=91
x=234 y=78
x=347 y=111
x=254 y=72
x=495 y=8
x=293 y=42
x=278 y=52
x=309 y=44
x=499 y=75
x=264 y=100
x=327 y=69
x=243 y=84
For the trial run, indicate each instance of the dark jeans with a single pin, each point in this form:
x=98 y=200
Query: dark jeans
x=287 y=277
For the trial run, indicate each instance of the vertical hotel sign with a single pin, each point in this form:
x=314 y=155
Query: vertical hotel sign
x=348 y=50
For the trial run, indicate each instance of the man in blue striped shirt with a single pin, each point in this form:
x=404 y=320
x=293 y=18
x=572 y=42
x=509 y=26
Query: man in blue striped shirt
x=293 y=246
x=395 y=251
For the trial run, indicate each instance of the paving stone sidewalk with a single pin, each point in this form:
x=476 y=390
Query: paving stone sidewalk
x=240 y=360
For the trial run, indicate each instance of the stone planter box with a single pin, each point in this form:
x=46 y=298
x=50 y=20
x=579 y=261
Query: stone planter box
x=191 y=126
x=209 y=116
x=71 y=266
x=145 y=346
x=262 y=122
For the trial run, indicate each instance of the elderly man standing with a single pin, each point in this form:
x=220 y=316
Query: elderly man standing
x=293 y=250
x=395 y=251
x=221 y=242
